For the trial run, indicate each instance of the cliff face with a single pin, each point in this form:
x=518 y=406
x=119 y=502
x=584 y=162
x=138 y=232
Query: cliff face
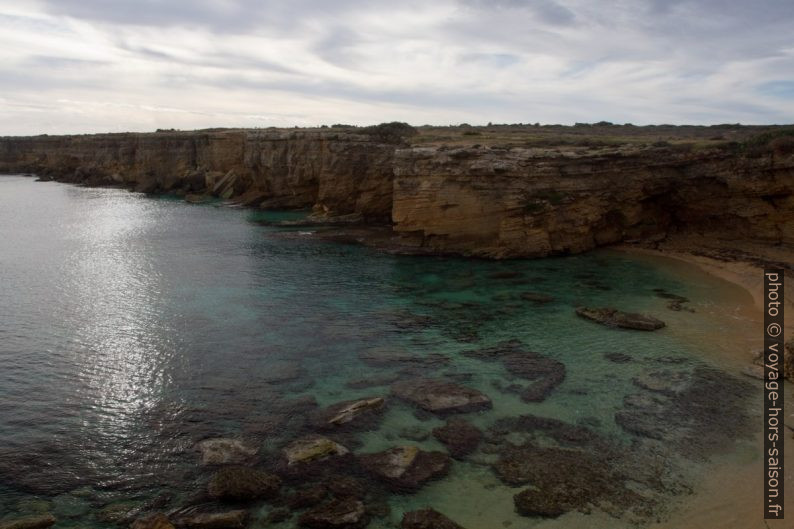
x=523 y=203
x=338 y=174
x=480 y=201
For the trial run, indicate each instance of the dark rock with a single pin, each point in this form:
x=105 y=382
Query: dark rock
x=243 y=483
x=589 y=480
x=544 y=372
x=406 y=468
x=307 y=497
x=460 y=437
x=615 y=318
x=550 y=504
x=29 y=522
x=664 y=382
x=373 y=381
x=154 y=521
x=216 y=520
x=344 y=514
x=389 y=357
x=277 y=516
x=643 y=415
x=427 y=519
x=414 y=433
x=346 y=487
x=497 y=351
x=439 y=396
x=537 y=297
x=618 y=358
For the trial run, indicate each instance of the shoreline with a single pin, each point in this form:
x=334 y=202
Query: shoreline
x=743 y=274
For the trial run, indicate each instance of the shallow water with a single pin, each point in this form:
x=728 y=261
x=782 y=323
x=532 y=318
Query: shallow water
x=133 y=327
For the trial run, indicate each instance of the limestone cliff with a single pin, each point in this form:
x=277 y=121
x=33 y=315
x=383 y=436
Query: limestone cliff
x=526 y=203
x=471 y=200
x=337 y=173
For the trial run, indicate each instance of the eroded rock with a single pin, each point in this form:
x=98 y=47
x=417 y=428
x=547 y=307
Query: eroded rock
x=460 y=437
x=406 y=467
x=29 y=522
x=154 y=521
x=223 y=451
x=427 y=519
x=216 y=520
x=360 y=414
x=237 y=483
x=439 y=396
x=347 y=513
x=615 y=318
x=312 y=448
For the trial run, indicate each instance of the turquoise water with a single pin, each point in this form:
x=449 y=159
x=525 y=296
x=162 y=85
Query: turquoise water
x=131 y=328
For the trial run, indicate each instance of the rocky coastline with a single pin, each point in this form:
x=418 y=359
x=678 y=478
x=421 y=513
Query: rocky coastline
x=493 y=201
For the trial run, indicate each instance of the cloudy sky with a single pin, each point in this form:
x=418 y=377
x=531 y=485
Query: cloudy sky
x=103 y=65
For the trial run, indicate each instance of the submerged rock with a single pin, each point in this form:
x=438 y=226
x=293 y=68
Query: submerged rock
x=427 y=519
x=389 y=357
x=665 y=382
x=313 y=448
x=307 y=497
x=224 y=451
x=243 y=483
x=154 y=521
x=216 y=520
x=615 y=318
x=29 y=522
x=362 y=413
x=562 y=480
x=544 y=372
x=348 y=513
x=460 y=437
x=618 y=358
x=439 y=396
x=406 y=467
x=537 y=297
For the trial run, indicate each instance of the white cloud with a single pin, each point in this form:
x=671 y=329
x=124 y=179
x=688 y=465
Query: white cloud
x=89 y=65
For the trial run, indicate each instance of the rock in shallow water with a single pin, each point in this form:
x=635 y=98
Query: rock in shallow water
x=243 y=483
x=360 y=414
x=615 y=318
x=224 y=451
x=406 y=468
x=154 y=521
x=216 y=520
x=460 y=437
x=348 y=513
x=29 y=522
x=313 y=448
x=427 y=519
x=439 y=396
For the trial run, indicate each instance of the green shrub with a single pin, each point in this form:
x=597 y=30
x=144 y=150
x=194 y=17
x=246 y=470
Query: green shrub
x=394 y=132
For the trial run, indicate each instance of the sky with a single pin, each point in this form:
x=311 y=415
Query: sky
x=81 y=66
